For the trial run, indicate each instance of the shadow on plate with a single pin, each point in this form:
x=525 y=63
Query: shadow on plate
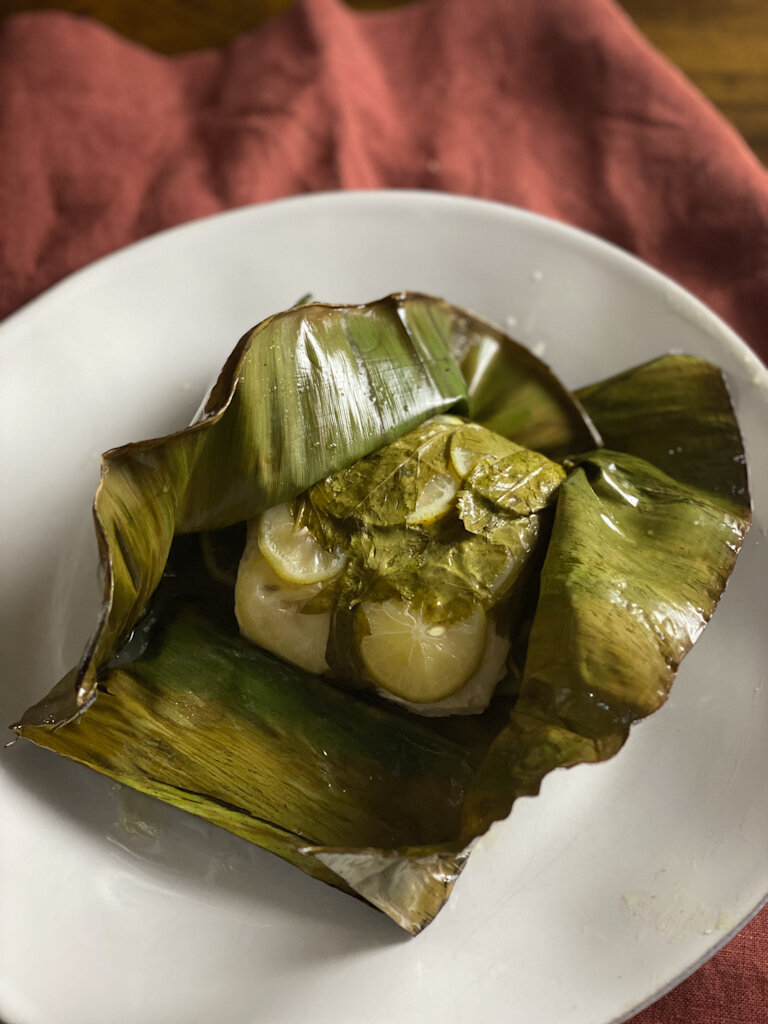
x=165 y=849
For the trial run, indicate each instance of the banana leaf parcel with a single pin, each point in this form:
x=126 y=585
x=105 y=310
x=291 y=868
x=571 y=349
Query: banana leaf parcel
x=169 y=698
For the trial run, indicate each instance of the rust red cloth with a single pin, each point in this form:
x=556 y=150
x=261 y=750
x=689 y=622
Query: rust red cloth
x=555 y=105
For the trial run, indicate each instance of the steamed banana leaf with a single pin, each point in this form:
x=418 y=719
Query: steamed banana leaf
x=383 y=804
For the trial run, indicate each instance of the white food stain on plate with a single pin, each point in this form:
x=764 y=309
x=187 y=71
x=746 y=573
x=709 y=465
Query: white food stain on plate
x=671 y=903
x=673 y=916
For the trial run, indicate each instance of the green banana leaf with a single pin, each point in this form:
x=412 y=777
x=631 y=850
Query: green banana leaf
x=363 y=795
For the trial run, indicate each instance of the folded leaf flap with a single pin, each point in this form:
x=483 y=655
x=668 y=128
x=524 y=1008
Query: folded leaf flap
x=409 y=889
x=210 y=723
x=511 y=391
x=317 y=388
x=305 y=393
x=641 y=548
x=675 y=412
x=636 y=563
x=635 y=566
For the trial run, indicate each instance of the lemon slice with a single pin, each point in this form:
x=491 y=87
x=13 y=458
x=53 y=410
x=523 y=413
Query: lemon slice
x=415 y=659
x=445 y=419
x=292 y=551
x=435 y=500
x=467 y=449
x=268 y=611
x=475 y=695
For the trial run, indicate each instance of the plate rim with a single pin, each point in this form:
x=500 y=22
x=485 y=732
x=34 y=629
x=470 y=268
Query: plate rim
x=601 y=247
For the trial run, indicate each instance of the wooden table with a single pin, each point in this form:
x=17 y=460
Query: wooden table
x=722 y=45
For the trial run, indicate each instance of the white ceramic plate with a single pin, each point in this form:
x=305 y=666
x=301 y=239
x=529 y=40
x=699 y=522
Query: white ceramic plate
x=590 y=900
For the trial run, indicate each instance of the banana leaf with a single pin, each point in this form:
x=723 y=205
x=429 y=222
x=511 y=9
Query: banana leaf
x=359 y=793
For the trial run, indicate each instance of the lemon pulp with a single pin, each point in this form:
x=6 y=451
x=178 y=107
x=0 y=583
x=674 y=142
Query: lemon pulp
x=292 y=551
x=475 y=695
x=418 y=660
x=435 y=500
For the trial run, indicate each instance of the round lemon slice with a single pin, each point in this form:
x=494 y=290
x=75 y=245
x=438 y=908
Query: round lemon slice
x=436 y=499
x=475 y=695
x=415 y=659
x=292 y=551
x=268 y=611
